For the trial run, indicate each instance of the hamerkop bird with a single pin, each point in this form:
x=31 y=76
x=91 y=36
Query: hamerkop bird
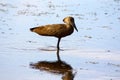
x=57 y=30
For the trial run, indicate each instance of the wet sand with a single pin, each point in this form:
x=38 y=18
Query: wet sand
x=93 y=53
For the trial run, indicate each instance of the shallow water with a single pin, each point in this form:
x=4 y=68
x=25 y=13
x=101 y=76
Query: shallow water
x=93 y=53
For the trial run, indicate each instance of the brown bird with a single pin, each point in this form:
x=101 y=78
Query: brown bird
x=57 y=30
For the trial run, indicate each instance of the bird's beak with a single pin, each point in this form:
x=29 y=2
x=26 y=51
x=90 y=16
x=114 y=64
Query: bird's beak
x=73 y=24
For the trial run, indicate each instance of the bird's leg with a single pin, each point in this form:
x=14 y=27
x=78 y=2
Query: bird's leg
x=58 y=48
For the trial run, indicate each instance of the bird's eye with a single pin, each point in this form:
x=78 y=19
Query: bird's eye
x=71 y=19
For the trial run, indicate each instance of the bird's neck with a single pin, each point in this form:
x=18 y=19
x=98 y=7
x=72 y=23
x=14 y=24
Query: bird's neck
x=69 y=25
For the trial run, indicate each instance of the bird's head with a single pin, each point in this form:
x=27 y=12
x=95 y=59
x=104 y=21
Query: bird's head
x=70 y=20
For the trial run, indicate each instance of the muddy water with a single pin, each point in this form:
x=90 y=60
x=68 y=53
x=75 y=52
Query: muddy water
x=93 y=53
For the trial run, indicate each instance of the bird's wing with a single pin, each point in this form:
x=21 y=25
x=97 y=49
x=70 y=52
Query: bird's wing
x=55 y=29
x=50 y=30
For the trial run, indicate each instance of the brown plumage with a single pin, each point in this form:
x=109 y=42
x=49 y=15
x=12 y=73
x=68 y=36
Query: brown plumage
x=57 y=30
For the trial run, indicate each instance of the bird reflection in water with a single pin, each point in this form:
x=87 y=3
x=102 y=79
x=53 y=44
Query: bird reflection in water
x=58 y=67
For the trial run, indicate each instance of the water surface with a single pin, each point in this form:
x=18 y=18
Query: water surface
x=92 y=53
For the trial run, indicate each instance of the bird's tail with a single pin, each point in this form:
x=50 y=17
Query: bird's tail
x=31 y=29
